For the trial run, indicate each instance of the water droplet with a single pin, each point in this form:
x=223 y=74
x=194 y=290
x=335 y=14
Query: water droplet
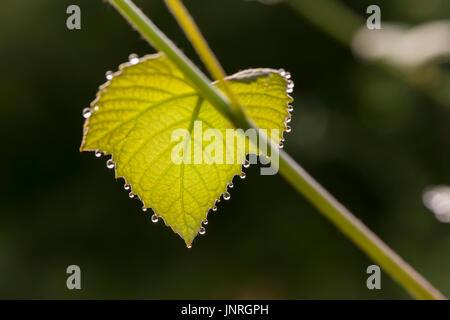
x=288 y=129
x=127 y=187
x=214 y=208
x=289 y=90
x=96 y=108
x=110 y=164
x=246 y=164
x=98 y=154
x=226 y=196
x=133 y=58
x=205 y=222
x=287 y=75
x=189 y=246
x=131 y=195
x=281 y=145
x=109 y=75
x=287 y=120
x=282 y=73
x=230 y=185
x=290 y=108
x=242 y=175
x=218 y=200
x=87 y=112
x=202 y=231
x=144 y=209
x=155 y=218
x=290 y=84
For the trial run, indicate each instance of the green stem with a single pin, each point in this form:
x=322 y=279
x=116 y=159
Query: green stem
x=291 y=171
x=354 y=229
x=204 y=51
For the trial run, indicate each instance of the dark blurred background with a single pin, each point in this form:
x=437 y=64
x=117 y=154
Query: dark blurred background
x=368 y=136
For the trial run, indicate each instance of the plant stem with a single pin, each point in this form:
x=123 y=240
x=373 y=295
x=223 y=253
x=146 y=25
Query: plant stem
x=291 y=171
x=359 y=233
x=204 y=51
x=159 y=40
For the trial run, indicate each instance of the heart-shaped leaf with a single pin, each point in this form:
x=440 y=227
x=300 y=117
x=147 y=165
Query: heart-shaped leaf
x=136 y=114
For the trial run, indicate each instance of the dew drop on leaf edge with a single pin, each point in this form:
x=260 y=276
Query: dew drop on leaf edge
x=133 y=58
x=87 y=112
x=110 y=164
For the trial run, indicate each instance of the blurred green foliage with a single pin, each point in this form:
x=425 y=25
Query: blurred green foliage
x=371 y=140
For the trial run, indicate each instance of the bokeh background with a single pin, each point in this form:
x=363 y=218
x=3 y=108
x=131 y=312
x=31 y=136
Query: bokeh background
x=370 y=137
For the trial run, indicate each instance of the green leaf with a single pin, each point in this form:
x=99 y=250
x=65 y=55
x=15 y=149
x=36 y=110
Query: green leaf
x=133 y=119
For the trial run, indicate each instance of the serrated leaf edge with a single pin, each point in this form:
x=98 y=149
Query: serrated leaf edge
x=122 y=67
